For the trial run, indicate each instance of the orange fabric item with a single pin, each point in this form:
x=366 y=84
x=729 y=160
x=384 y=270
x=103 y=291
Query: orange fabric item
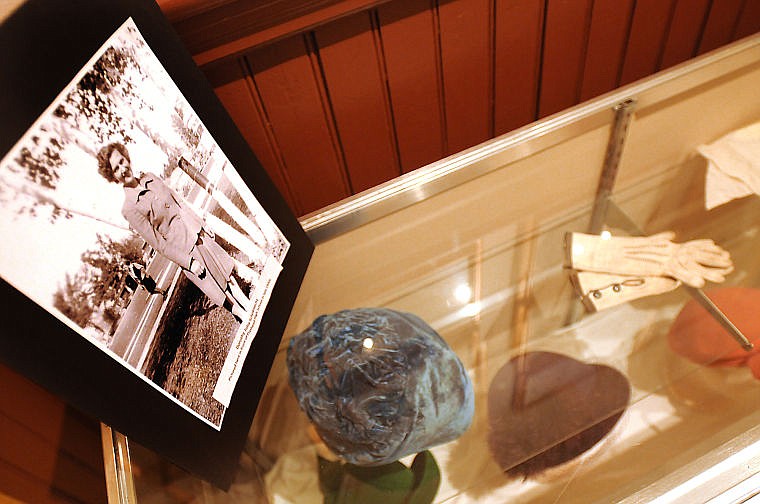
x=696 y=335
x=754 y=365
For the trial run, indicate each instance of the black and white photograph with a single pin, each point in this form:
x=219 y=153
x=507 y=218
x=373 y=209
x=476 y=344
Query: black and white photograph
x=126 y=220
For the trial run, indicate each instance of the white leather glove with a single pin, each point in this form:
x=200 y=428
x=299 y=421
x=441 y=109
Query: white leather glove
x=602 y=290
x=692 y=262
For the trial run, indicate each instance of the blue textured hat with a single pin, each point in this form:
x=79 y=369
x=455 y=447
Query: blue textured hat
x=379 y=384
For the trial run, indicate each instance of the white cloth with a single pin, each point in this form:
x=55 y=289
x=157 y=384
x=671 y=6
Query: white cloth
x=733 y=169
x=294 y=479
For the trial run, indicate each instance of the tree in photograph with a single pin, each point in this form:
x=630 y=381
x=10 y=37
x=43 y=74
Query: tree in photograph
x=40 y=162
x=42 y=165
x=112 y=100
x=93 y=105
x=108 y=263
x=96 y=287
x=86 y=117
x=72 y=301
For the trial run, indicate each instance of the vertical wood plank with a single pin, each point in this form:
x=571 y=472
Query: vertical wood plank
x=721 y=22
x=649 y=30
x=749 y=20
x=409 y=37
x=518 y=26
x=466 y=28
x=355 y=80
x=292 y=100
x=685 y=31
x=608 y=35
x=235 y=88
x=565 y=41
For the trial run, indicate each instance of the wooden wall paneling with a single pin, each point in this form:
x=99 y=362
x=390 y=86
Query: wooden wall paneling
x=518 y=26
x=43 y=463
x=351 y=59
x=649 y=31
x=22 y=487
x=235 y=88
x=31 y=405
x=466 y=28
x=565 y=42
x=721 y=24
x=227 y=28
x=410 y=45
x=685 y=31
x=82 y=440
x=46 y=444
x=179 y=10
x=82 y=483
x=608 y=36
x=48 y=417
x=292 y=97
x=749 y=19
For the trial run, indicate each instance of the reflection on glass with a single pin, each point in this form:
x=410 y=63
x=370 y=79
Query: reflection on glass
x=463 y=293
x=471 y=310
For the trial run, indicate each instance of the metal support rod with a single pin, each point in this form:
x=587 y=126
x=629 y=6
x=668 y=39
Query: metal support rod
x=725 y=322
x=623 y=115
x=120 y=485
x=698 y=294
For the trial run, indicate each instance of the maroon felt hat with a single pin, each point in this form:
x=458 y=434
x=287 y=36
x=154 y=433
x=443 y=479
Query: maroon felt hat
x=696 y=335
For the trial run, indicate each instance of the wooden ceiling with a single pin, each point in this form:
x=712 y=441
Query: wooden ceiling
x=336 y=97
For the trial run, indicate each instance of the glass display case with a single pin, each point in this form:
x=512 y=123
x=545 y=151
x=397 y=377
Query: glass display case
x=474 y=245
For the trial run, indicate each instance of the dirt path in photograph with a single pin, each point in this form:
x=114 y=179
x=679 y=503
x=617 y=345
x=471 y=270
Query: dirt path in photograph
x=188 y=357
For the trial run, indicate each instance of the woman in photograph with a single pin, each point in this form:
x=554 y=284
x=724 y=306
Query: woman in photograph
x=174 y=230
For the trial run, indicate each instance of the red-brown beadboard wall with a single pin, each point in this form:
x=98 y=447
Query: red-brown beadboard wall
x=49 y=453
x=336 y=97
